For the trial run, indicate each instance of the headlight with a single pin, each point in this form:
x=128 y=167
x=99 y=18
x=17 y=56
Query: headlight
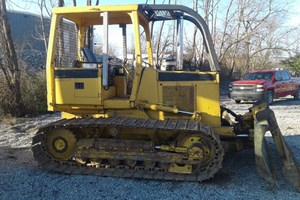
x=260 y=88
x=230 y=87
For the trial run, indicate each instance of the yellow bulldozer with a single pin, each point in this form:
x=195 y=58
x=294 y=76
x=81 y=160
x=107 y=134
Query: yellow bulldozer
x=135 y=120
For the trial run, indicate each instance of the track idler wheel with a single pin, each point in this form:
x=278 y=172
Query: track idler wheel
x=200 y=149
x=61 y=144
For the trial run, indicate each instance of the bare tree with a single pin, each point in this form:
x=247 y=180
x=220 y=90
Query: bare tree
x=9 y=63
x=192 y=54
x=42 y=5
x=44 y=12
x=162 y=39
x=250 y=32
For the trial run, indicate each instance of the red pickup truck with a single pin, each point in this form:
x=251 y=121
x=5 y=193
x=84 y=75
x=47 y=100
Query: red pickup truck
x=264 y=85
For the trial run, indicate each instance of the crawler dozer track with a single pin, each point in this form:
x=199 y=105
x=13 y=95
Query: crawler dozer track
x=192 y=151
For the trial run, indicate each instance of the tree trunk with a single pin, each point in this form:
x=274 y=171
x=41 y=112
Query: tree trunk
x=9 y=63
x=42 y=4
x=235 y=50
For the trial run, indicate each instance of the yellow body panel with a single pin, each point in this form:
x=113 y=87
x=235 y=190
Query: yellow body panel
x=208 y=102
x=148 y=89
x=61 y=86
x=117 y=103
x=120 y=82
x=73 y=89
x=93 y=9
x=49 y=64
x=91 y=89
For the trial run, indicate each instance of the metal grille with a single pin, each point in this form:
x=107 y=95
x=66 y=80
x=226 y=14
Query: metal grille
x=66 y=44
x=181 y=96
x=248 y=88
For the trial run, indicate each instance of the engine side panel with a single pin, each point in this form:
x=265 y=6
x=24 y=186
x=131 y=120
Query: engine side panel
x=191 y=92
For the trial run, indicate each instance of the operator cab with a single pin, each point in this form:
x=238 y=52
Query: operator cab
x=92 y=75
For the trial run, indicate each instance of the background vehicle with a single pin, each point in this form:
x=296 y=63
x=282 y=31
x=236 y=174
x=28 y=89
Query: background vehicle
x=264 y=85
x=168 y=127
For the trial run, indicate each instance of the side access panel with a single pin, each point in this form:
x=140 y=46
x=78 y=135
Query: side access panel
x=191 y=91
x=78 y=86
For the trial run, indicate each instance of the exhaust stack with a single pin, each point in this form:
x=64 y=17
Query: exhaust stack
x=179 y=58
x=124 y=39
x=105 y=50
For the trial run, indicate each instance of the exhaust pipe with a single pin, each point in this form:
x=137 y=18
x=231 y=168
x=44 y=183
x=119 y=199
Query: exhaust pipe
x=124 y=39
x=105 y=51
x=179 y=59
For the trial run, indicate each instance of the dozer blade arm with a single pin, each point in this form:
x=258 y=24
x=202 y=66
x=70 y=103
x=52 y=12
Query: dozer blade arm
x=264 y=120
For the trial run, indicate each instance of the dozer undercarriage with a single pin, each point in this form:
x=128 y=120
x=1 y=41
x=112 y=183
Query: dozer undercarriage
x=135 y=120
x=186 y=151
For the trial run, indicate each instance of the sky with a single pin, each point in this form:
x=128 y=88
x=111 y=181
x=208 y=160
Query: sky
x=23 y=5
x=295 y=10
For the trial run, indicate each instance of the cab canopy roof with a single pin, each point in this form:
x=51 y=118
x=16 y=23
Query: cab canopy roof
x=121 y=13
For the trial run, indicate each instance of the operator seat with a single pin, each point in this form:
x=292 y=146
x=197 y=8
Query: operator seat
x=89 y=55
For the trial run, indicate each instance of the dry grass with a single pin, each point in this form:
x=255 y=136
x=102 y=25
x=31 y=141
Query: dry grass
x=33 y=92
x=8 y=120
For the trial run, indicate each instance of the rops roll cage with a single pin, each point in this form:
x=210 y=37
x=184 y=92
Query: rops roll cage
x=165 y=12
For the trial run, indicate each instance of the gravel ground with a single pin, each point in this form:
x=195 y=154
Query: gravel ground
x=20 y=177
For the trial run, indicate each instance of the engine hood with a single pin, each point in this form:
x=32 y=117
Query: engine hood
x=250 y=82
